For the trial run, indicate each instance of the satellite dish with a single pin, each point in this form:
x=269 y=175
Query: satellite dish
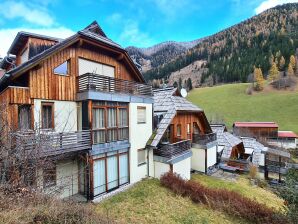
x=183 y=92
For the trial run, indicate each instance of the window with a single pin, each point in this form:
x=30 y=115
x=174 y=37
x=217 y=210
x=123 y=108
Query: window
x=188 y=129
x=141 y=157
x=141 y=115
x=87 y=66
x=122 y=123
x=49 y=176
x=24 y=117
x=62 y=69
x=178 y=130
x=47 y=115
x=112 y=124
x=98 y=125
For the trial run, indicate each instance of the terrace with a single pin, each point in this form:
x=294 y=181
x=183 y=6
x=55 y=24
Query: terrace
x=203 y=139
x=100 y=83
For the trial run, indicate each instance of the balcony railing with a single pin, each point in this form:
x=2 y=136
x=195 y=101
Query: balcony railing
x=95 y=82
x=173 y=150
x=53 y=143
x=204 y=139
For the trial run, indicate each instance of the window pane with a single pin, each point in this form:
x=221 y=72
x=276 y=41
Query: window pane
x=47 y=117
x=122 y=119
x=24 y=117
x=112 y=135
x=112 y=117
x=99 y=136
x=141 y=115
x=122 y=133
x=98 y=118
x=179 y=130
x=123 y=169
x=62 y=69
x=141 y=156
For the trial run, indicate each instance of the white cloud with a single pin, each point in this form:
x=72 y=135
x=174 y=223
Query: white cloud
x=32 y=13
x=8 y=35
x=132 y=35
x=271 y=3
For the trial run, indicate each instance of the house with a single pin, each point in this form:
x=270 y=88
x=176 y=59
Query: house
x=182 y=139
x=285 y=139
x=258 y=130
x=88 y=103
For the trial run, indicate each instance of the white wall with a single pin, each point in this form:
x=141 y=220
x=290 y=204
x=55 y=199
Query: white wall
x=160 y=169
x=139 y=134
x=211 y=156
x=65 y=115
x=198 y=159
x=67 y=183
x=183 y=168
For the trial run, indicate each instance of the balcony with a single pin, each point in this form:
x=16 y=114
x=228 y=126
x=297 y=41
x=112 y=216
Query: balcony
x=174 y=150
x=52 y=143
x=100 y=83
x=203 y=139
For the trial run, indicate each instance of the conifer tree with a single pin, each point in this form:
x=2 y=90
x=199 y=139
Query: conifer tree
x=290 y=70
x=259 y=79
x=282 y=63
x=189 y=84
x=273 y=73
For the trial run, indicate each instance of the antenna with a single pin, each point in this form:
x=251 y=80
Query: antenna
x=183 y=92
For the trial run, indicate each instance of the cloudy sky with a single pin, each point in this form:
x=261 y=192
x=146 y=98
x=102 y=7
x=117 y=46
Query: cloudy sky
x=141 y=23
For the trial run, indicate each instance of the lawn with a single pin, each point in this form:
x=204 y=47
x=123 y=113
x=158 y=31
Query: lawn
x=148 y=202
x=233 y=104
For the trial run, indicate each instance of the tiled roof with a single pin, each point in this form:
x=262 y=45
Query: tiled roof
x=256 y=124
x=227 y=140
x=257 y=148
x=218 y=128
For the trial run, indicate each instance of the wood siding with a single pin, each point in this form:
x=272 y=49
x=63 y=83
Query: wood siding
x=15 y=95
x=256 y=132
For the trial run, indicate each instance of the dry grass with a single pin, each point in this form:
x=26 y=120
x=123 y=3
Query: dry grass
x=243 y=187
x=148 y=202
x=21 y=206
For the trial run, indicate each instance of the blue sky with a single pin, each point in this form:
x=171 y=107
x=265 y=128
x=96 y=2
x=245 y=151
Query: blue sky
x=141 y=23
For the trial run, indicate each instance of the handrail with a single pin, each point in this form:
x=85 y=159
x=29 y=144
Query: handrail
x=96 y=82
x=203 y=139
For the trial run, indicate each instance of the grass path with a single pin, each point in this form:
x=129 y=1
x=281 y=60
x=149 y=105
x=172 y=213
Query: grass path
x=233 y=104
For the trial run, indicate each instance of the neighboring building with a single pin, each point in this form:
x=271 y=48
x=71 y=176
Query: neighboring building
x=285 y=139
x=258 y=130
x=90 y=103
x=182 y=139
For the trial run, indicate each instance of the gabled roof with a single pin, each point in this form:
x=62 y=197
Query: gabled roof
x=22 y=37
x=229 y=141
x=256 y=124
x=287 y=134
x=87 y=33
x=167 y=102
x=218 y=128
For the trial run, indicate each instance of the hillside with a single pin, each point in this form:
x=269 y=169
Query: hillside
x=231 y=103
x=232 y=53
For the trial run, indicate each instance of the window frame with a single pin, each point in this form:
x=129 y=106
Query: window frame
x=145 y=110
x=28 y=106
x=48 y=104
x=179 y=127
x=145 y=158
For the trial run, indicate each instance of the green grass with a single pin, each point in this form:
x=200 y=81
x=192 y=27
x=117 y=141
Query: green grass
x=148 y=202
x=233 y=104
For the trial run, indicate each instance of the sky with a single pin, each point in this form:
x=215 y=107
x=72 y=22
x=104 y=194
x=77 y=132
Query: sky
x=140 y=23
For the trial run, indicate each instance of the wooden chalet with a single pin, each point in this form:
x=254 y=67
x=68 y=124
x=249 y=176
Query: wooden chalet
x=182 y=138
x=258 y=130
x=81 y=95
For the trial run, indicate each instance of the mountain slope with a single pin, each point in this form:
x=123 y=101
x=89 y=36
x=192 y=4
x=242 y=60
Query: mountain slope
x=232 y=53
x=157 y=55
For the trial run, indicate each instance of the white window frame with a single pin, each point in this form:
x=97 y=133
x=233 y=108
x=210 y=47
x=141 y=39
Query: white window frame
x=141 y=114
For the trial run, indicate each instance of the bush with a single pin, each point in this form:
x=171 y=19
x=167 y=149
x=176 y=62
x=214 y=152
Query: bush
x=262 y=183
x=227 y=201
x=253 y=170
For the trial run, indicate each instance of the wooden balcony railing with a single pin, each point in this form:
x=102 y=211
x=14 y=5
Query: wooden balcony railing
x=53 y=143
x=203 y=139
x=95 y=82
x=15 y=95
x=173 y=150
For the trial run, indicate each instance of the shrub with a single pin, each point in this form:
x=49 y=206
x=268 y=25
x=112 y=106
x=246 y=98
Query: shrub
x=262 y=183
x=227 y=201
x=253 y=170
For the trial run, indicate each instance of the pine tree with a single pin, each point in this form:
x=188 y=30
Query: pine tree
x=180 y=83
x=189 y=84
x=259 y=79
x=273 y=73
x=175 y=84
x=290 y=70
x=282 y=63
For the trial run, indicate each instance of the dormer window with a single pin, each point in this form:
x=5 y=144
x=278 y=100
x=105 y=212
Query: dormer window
x=62 y=69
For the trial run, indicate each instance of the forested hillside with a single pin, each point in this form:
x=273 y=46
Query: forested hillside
x=232 y=53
